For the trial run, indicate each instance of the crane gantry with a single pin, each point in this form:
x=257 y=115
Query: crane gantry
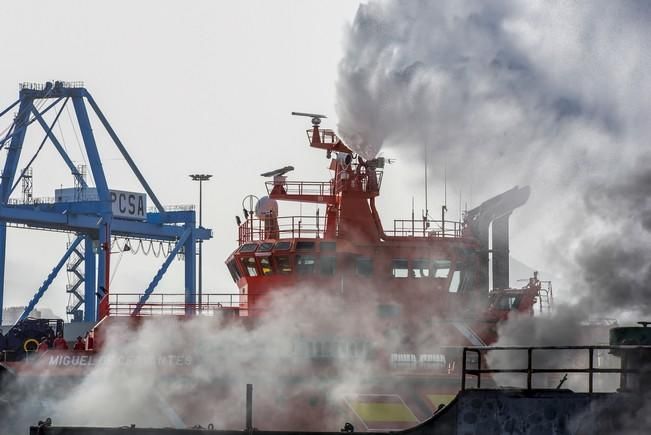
x=94 y=214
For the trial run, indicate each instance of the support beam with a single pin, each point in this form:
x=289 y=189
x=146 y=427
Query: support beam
x=190 y=260
x=13 y=151
x=124 y=152
x=46 y=284
x=14 y=104
x=57 y=144
x=91 y=150
x=7 y=178
x=90 y=298
x=84 y=223
x=102 y=254
x=159 y=275
x=40 y=147
x=3 y=246
x=20 y=127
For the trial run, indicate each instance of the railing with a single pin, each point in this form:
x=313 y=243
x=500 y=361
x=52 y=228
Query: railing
x=284 y=227
x=327 y=136
x=173 y=207
x=42 y=86
x=171 y=304
x=429 y=228
x=360 y=182
x=319 y=188
x=530 y=370
x=32 y=201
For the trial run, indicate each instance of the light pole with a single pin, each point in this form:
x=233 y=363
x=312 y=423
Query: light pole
x=200 y=178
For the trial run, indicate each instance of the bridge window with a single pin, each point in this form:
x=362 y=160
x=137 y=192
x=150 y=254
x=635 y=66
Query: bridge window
x=364 y=266
x=283 y=265
x=249 y=266
x=232 y=268
x=420 y=268
x=508 y=302
x=265 y=247
x=282 y=246
x=328 y=246
x=441 y=268
x=265 y=266
x=400 y=268
x=455 y=282
x=305 y=246
x=327 y=265
x=248 y=247
x=305 y=264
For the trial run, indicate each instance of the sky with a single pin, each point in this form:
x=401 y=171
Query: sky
x=202 y=86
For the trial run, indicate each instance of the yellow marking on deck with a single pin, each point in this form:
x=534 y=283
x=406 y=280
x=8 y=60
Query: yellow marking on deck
x=375 y=412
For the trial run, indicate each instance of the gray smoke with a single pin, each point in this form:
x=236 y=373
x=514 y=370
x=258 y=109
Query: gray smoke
x=551 y=94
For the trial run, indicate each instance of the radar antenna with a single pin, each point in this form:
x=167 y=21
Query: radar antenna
x=277 y=172
x=316 y=118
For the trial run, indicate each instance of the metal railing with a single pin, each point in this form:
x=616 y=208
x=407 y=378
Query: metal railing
x=285 y=227
x=171 y=304
x=326 y=135
x=360 y=182
x=32 y=201
x=429 y=228
x=33 y=86
x=530 y=370
x=320 y=188
x=173 y=207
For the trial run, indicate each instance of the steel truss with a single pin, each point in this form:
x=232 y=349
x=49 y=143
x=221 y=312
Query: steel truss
x=93 y=221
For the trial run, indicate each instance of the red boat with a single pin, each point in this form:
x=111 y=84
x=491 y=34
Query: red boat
x=422 y=286
x=389 y=309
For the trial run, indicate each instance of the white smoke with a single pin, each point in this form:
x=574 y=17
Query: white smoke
x=172 y=372
x=550 y=94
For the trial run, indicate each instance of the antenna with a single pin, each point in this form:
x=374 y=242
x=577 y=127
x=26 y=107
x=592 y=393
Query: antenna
x=444 y=207
x=460 y=208
x=426 y=163
x=278 y=172
x=412 y=215
x=445 y=187
x=316 y=118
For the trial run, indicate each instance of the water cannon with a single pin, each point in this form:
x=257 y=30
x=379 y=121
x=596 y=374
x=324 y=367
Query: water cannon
x=316 y=118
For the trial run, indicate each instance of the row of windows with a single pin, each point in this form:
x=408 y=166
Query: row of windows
x=325 y=265
x=285 y=245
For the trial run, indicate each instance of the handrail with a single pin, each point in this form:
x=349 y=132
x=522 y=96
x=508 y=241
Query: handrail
x=425 y=228
x=530 y=370
x=326 y=135
x=284 y=227
x=321 y=188
x=123 y=304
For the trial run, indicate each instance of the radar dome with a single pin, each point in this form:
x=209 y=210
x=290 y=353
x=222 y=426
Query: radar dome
x=266 y=207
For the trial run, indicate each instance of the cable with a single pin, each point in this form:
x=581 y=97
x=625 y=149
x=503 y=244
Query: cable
x=74 y=130
x=40 y=147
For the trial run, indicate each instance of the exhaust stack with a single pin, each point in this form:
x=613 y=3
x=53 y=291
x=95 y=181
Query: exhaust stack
x=496 y=211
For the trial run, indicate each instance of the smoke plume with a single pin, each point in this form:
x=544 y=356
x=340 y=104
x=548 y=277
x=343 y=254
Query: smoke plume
x=309 y=350
x=550 y=94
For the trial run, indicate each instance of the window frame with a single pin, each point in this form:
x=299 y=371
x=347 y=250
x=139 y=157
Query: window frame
x=394 y=261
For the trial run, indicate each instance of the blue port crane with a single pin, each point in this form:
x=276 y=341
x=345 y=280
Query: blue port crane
x=94 y=214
